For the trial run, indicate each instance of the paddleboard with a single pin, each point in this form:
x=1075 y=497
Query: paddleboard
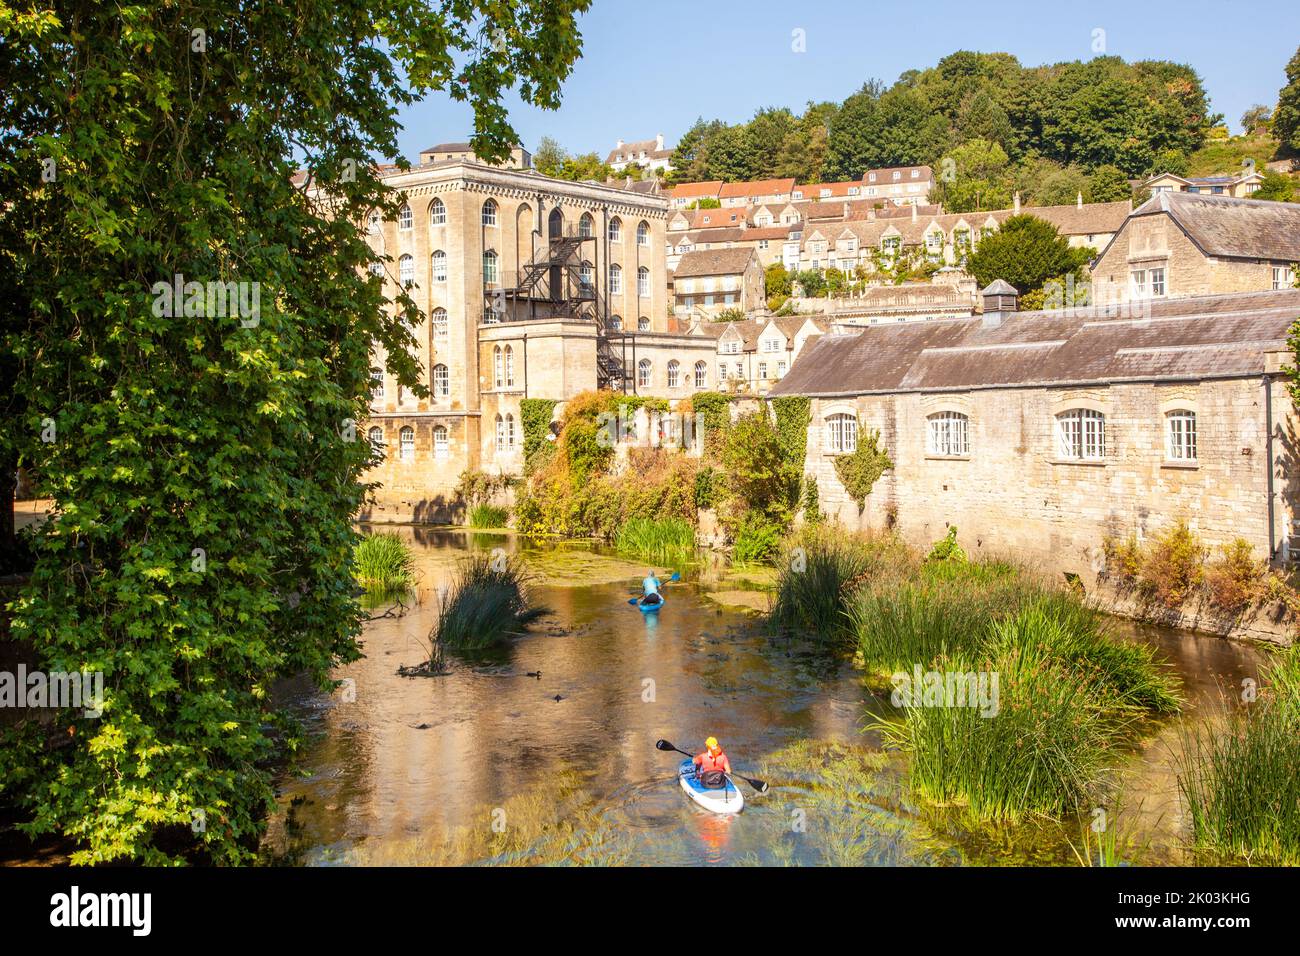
x=721 y=800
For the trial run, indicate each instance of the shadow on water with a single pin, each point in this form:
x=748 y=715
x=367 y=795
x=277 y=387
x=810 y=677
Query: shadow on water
x=488 y=764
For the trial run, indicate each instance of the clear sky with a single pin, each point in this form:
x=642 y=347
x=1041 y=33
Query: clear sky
x=654 y=67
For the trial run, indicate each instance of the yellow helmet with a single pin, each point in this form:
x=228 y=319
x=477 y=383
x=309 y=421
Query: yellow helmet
x=711 y=743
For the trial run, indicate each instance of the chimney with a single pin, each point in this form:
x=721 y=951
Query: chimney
x=1078 y=202
x=659 y=141
x=619 y=144
x=1015 y=204
x=1000 y=301
x=846 y=212
x=913 y=212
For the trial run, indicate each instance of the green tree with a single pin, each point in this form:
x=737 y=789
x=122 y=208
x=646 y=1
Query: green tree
x=549 y=157
x=205 y=462
x=1255 y=119
x=1276 y=187
x=779 y=284
x=1026 y=251
x=756 y=469
x=1286 y=118
x=974 y=176
x=1107 y=184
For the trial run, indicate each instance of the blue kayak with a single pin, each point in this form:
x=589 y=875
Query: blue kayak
x=726 y=799
x=650 y=608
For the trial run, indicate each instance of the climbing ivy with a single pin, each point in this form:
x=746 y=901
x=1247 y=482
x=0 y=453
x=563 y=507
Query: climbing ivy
x=793 y=416
x=858 y=471
x=535 y=416
x=713 y=410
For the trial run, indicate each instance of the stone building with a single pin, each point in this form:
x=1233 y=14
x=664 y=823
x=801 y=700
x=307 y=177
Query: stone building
x=646 y=153
x=1188 y=244
x=1040 y=434
x=1239 y=186
x=708 y=283
x=754 y=354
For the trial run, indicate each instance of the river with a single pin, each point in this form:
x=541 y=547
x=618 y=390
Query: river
x=489 y=765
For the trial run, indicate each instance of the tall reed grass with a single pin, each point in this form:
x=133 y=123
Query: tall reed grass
x=487 y=603
x=816 y=579
x=1240 y=780
x=661 y=540
x=488 y=516
x=383 y=564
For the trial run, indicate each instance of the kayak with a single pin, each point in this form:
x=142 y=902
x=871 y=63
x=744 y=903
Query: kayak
x=720 y=800
x=650 y=608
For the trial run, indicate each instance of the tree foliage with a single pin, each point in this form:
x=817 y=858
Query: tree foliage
x=1026 y=251
x=204 y=463
x=1286 y=118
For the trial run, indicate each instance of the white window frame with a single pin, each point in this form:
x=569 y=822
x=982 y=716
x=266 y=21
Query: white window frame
x=405 y=219
x=1180 y=435
x=948 y=434
x=438 y=265
x=841 y=433
x=441 y=381
x=674 y=373
x=701 y=374
x=437 y=212
x=441 y=443
x=1081 y=435
x=406 y=444
x=490 y=210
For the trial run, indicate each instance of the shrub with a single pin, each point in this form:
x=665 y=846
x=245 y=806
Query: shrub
x=859 y=470
x=535 y=416
x=1123 y=557
x=488 y=602
x=662 y=540
x=1172 y=565
x=758 y=538
x=756 y=474
x=708 y=484
x=947 y=548
x=1235 y=578
x=382 y=564
x=488 y=516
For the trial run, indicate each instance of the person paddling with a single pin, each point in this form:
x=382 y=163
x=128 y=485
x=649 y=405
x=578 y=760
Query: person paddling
x=650 y=589
x=712 y=766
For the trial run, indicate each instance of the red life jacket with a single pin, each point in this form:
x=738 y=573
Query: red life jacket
x=707 y=761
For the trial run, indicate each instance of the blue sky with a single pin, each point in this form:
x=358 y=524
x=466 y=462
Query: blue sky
x=654 y=67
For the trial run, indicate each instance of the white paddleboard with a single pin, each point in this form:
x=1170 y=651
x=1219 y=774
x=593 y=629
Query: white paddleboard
x=726 y=799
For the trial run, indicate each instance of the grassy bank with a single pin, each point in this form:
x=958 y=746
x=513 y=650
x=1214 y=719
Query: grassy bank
x=668 y=541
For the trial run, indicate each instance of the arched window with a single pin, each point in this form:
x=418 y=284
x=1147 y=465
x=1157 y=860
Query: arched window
x=490 y=272
x=406 y=271
x=510 y=430
x=505 y=432
x=376 y=437
x=440 y=445
x=490 y=213
x=438 y=266
x=406 y=443
x=701 y=374
x=643 y=281
x=841 y=433
x=441 y=382
x=674 y=373
x=615 y=279
x=498 y=367
x=586 y=226
x=586 y=277
x=643 y=373
x=948 y=433
x=501 y=433
x=376 y=385
x=1180 y=435
x=377 y=268
x=510 y=368
x=616 y=230
x=643 y=233
x=616 y=323
x=437 y=212
x=1081 y=434
x=375 y=221
x=404 y=218
x=439 y=323
x=643 y=324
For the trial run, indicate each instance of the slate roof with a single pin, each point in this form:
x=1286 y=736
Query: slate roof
x=1220 y=336
x=714 y=262
x=1222 y=226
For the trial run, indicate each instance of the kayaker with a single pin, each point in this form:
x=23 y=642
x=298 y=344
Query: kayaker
x=712 y=766
x=650 y=589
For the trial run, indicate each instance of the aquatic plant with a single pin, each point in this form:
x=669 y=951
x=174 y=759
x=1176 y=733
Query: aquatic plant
x=662 y=540
x=488 y=516
x=383 y=565
x=817 y=575
x=487 y=603
x=1240 y=779
x=757 y=539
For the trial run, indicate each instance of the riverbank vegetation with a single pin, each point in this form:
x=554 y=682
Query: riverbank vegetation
x=383 y=564
x=1240 y=777
x=668 y=541
x=488 y=602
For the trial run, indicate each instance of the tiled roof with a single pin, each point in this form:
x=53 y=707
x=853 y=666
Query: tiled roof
x=449 y=148
x=1193 y=337
x=696 y=190
x=713 y=218
x=762 y=187
x=714 y=262
x=1233 y=228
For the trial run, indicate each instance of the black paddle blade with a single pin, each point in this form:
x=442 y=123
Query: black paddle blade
x=664 y=745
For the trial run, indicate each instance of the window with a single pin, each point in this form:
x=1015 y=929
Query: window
x=616 y=323
x=780 y=369
x=643 y=282
x=490 y=213
x=616 y=230
x=376 y=437
x=841 y=433
x=406 y=443
x=404 y=218
x=949 y=434
x=1283 y=277
x=586 y=225
x=437 y=213
x=643 y=373
x=505 y=432
x=891 y=244
x=722 y=371
x=498 y=367
x=1180 y=435
x=441 y=382
x=1148 y=282
x=1081 y=434
x=701 y=375
x=674 y=373
x=374 y=223
x=438 y=266
x=643 y=234
x=440 y=446
x=377 y=268
x=490 y=273
x=762 y=370
x=439 y=323
x=510 y=367
x=376 y=385
x=643 y=324
x=406 y=271
x=615 y=279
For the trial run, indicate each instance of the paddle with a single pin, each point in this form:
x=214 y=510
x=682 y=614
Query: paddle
x=676 y=577
x=759 y=785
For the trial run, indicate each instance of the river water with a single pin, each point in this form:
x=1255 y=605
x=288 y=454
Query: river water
x=487 y=764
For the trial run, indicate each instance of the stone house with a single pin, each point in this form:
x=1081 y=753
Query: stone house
x=1239 y=186
x=706 y=283
x=753 y=355
x=647 y=153
x=1043 y=433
